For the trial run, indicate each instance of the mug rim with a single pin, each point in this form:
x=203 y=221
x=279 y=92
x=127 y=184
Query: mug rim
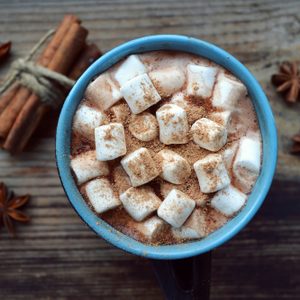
x=266 y=124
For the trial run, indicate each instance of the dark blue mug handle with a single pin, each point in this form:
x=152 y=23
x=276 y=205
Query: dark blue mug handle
x=184 y=279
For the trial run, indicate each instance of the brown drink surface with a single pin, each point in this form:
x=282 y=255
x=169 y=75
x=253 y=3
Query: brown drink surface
x=243 y=120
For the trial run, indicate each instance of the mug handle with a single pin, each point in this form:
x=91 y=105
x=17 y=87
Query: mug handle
x=184 y=279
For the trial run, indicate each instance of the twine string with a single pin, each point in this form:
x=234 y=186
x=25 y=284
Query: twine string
x=47 y=84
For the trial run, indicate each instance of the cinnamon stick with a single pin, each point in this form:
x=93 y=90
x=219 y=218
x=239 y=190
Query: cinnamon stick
x=11 y=111
x=17 y=139
x=89 y=54
x=7 y=96
x=49 y=52
x=27 y=120
x=69 y=49
x=16 y=102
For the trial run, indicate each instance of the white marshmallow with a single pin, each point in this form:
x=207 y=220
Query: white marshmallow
x=101 y=195
x=228 y=201
x=179 y=99
x=86 y=119
x=173 y=124
x=248 y=155
x=175 y=168
x=167 y=81
x=209 y=134
x=151 y=227
x=144 y=127
x=140 y=202
x=140 y=93
x=211 y=173
x=195 y=193
x=227 y=92
x=176 y=208
x=140 y=167
x=228 y=155
x=120 y=112
x=193 y=228
x=222 y=118
x=110 y=141
x=130 y=68
x=86 y=166
x=246 y=165
x=200 y=80
x=103 y=92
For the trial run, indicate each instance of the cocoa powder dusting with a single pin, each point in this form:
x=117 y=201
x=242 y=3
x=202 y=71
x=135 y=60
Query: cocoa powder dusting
x=80 y=144
x=194 y=113
x=108 y=135
x=120 y=180
x=157 y=86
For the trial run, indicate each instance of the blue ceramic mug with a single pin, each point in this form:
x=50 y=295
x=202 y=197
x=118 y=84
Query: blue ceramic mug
x=258 y=194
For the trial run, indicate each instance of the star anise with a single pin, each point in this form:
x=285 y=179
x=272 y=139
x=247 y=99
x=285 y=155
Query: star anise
x=296 y=147
x=4 y=50
x=287 y=80
x=9 y=204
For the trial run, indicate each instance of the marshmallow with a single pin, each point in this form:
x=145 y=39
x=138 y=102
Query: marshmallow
x=140 y=167
x=176 y=208
x=86 y=119
x=192 y=189
x=101 y=195
x=167 y=81
x=246 y=165
x=103 y=92
x=193 y=228
x=120 y=179
x=222 y=118
x=212 y=174
x=110 y=141
x=140 y=93
x=151 y=227
x=228 y=155
x=179 y=99
x=86 y=166
x=120 y=112
x=143 y=127
x=173 y=124
x=175 y=168
x=200 y=80
x=140 y=202
x=209 y=134
x=228 y=201
x=130 y=68
x=227 y=92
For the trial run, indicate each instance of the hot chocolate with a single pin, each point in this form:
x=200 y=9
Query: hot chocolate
x=166 y=147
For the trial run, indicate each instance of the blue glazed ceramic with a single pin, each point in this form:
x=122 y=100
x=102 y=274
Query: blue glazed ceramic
x=266 y=123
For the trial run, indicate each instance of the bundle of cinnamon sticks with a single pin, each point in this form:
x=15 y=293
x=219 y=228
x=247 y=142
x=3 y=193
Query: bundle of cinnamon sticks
x=21 y=111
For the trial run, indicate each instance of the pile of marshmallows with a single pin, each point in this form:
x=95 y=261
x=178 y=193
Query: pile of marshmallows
x=142 y=90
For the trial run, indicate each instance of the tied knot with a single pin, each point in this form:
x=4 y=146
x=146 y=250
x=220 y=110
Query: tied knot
x=49 y=85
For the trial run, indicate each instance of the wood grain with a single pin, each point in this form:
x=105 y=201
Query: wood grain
x=57 y=256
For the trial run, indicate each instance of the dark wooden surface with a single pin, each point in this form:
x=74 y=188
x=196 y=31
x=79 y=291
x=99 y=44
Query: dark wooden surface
x=57 y=256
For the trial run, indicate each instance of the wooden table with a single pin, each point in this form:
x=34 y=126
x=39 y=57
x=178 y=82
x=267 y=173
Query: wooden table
x=57 y=256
